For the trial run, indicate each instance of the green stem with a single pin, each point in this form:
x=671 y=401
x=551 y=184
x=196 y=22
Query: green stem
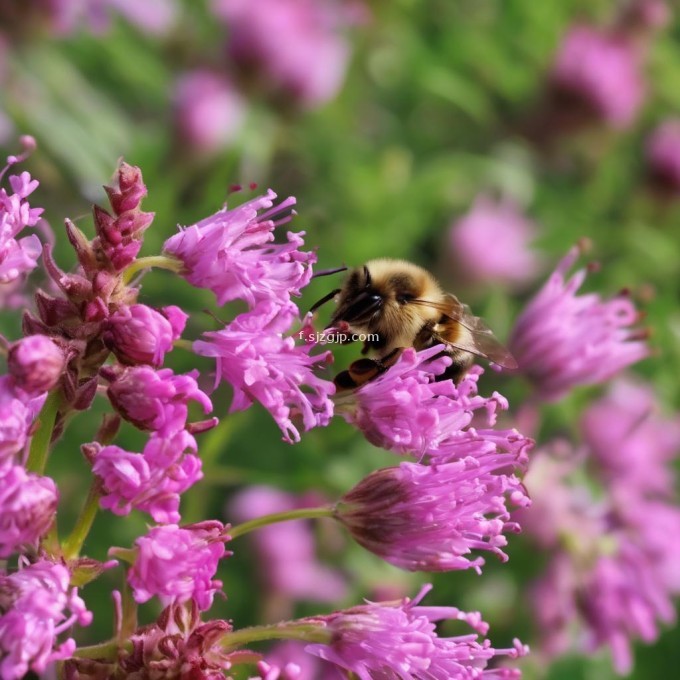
x=106 y=651
x=300 y=513
x=158 y=261
x=184 y=344
x=74 y=543
x=308 y=632
x=40 y=443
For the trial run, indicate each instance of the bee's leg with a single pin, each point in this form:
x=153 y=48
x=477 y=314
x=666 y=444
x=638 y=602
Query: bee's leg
x=363 y=370
x=461 y=362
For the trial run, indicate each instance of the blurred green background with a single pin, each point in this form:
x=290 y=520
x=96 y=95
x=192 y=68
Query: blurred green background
x=431 y=114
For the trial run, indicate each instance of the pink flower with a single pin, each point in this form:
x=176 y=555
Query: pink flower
x=562 y=340
x=492 y=244
x=431 y=517
x=151 y=481
x=386 y=640
x=179 y=645
x=601 y=74
x=209 y=113
x=613 y=571
x=16 y=415
x=663 y=157
x=263 y=366
x=406 y=410
x=17 y=256
x=28 y=506
x=35 y=363
x=177 y=564
x=140 y=335
x=286 y=552
x=630 y=439
x=32 y=616
x=231 y=253
x=154 y=400
x=295 y=46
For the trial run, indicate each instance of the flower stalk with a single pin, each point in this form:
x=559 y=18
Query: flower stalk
x=265 y=520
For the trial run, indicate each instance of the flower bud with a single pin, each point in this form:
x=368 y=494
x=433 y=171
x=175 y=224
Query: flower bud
x=36 y=364
x=28 y=506
x=140 y=335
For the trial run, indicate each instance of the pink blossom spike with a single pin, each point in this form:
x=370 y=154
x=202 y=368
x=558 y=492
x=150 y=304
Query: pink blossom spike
x=433 y=517
x=232 y=254
x=33 y=615
x=263 y=366
x=177 y=564
x=399 y=640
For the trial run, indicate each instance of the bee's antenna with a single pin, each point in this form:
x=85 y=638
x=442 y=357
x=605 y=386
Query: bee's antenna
x=324 y=300
x=328 y=272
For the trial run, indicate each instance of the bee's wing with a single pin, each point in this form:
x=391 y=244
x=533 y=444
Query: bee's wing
x=479 y=339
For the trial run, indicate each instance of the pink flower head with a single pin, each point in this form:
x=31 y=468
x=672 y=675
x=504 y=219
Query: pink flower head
x=177 y=564
x=295 y=46
x=631 y=441
x=209 y=113
x=32 y=604
x=151 y=481
x=562 y=340
x=600 y=73
x=408 y=411
x=663 y=157
x=16 y=415
x=431 y=517
x=17 y=256
x=35 y=363
x=179 y=645
x=28 y=506
x=492 y=243
x=231 y=253
x=261 y=365
x=399 y=640
x=154 y=400
x=138 y=334
x=287 y=552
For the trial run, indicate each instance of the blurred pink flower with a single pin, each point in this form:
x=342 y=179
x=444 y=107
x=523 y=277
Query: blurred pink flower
x=177 y=564
x=261 y=365
x=286 y=551
x=631 y=441
x=663 y=157
x=152 y=16
x=385 y=640
x=431 y=517
x=28 y=506
x=612 y=572
x=599 y=73
x=209 y=113
x=294 y=47
x=231 y=253
x=32 y=615
x=295 y=664
x=492 y=244
x=563 y=340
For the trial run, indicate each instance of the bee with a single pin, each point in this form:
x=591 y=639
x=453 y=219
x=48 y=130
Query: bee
x=397 y=304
